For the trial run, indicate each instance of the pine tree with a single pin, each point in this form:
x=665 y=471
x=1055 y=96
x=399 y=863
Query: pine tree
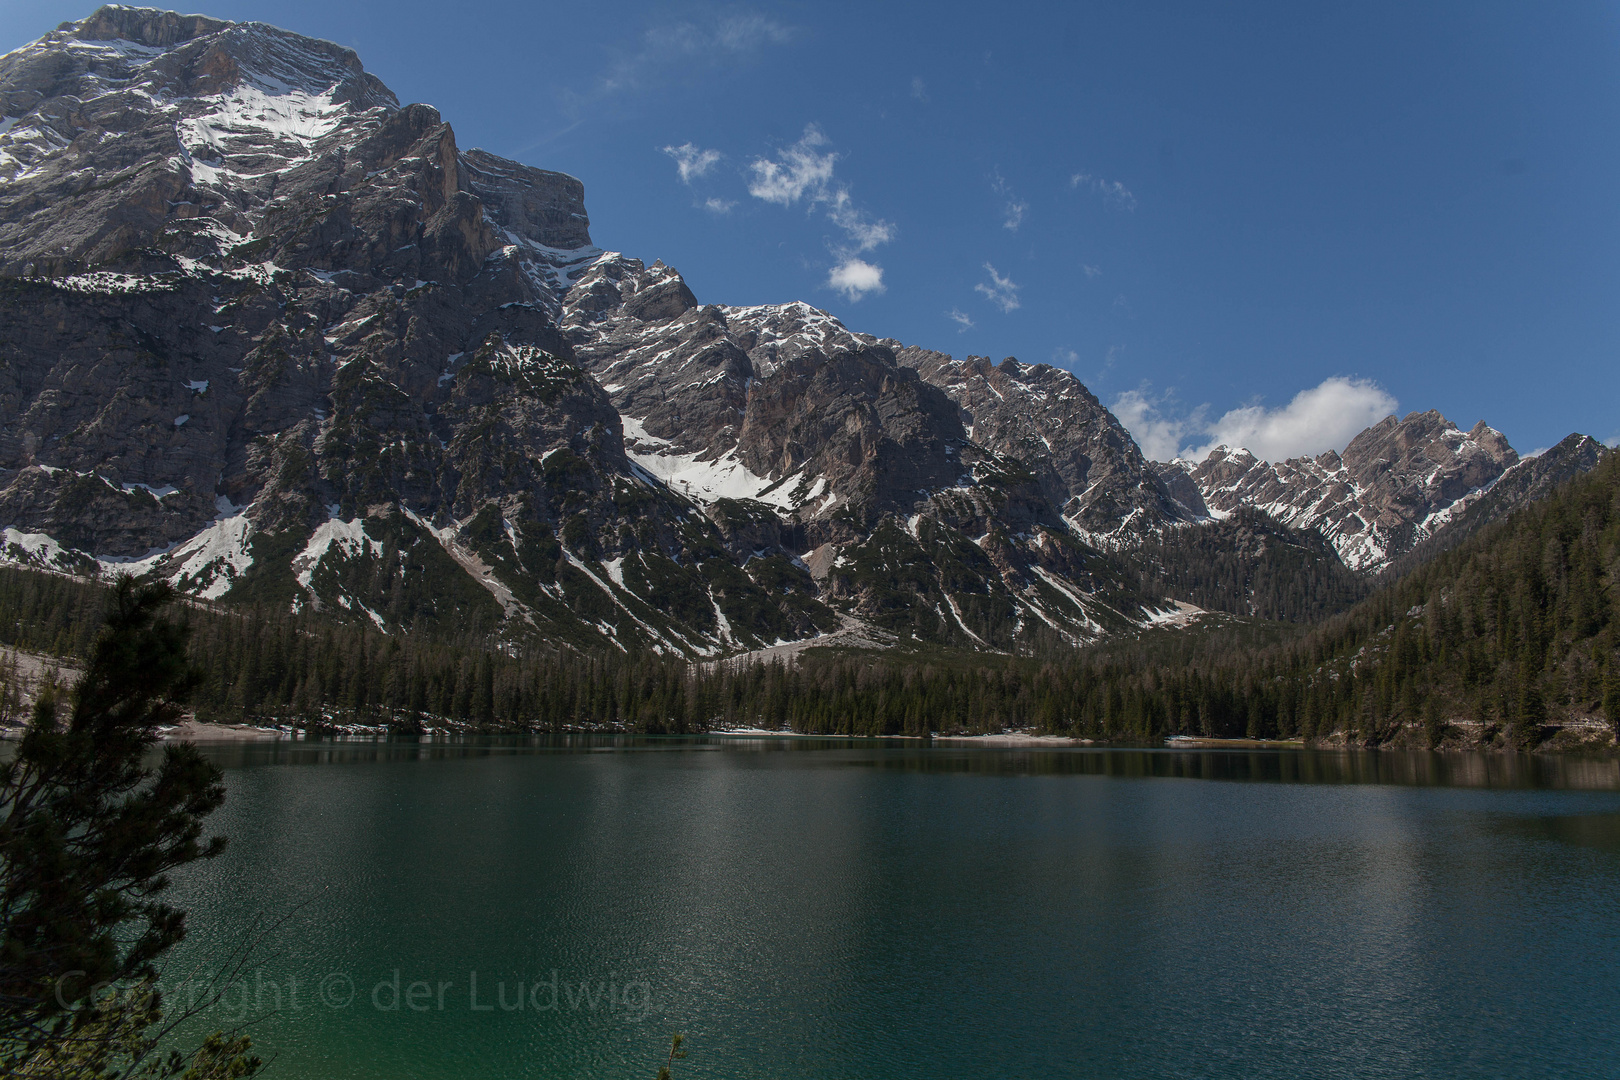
x=89 y=831
x=1433 y=725
x=1531 y=713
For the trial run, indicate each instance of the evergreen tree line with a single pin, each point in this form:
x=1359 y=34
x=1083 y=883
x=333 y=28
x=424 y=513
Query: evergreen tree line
x=1516 y=628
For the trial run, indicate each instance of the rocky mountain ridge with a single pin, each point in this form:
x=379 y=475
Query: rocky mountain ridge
x=1399 y=490
x=277 y=338
x=1397 y=483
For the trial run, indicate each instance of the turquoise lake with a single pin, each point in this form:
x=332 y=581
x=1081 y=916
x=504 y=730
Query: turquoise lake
x=830 y=908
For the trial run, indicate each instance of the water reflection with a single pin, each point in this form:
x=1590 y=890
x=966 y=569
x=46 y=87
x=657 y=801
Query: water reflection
x=1288 y=766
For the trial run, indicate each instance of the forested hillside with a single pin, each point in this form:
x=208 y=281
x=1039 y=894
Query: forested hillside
x=1497 y=641
x=1249 y=564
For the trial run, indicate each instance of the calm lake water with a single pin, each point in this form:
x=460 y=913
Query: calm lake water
x=828 y=908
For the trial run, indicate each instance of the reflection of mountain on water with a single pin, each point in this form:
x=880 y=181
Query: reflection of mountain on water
x=1403 y=768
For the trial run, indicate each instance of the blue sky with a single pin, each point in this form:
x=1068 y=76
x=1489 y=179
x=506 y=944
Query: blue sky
x=1202 y=213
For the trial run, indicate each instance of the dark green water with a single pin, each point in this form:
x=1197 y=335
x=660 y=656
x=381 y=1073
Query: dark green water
x=832 y=909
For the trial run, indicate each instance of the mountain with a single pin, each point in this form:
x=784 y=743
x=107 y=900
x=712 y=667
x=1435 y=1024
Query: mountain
x=1532 y=479
x=1397 y=483
x=277 y=338
x=1085 y=461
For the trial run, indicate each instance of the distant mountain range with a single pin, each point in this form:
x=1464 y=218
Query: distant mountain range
x=272 y=336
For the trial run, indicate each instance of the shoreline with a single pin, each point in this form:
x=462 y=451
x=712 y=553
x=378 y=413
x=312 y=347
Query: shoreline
x=199 y=732
x=1197 y=742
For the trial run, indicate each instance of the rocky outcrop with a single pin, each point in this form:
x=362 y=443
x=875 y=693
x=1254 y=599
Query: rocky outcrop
x=279 y=339
x=866 y=463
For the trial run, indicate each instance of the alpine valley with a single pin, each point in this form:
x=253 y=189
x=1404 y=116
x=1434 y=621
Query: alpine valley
x=274 y=337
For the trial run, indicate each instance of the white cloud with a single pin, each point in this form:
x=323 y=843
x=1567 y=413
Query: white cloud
x=919 y=89
x=1113 y=192
x=1325 y=417
x=1117 y=194
x=800 y=169
x=804 y=172
x=1000 y=291
x=692 y=162
x=1092 y=272
x=1157 y=433
x=719 y=206
x=1065 y=357
x=855 y=278
x=963 y=321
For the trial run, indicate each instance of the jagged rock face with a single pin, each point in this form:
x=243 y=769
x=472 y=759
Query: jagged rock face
x=904 y=519
x=783 y=402
x=1531 y=479
x=1086 y=462
x=1396 y=483
x=275 y=337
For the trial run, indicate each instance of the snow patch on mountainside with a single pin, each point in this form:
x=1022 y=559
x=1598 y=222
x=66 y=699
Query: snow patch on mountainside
x=724 y=477
x=347 y=537
x=206 y=565
x=211 y=561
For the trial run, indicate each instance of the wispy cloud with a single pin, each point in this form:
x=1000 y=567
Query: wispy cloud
x=692 y=162
x=999 y=290
x=919 y=89
x=664 y=52
x=1110 y=359
x=719 y=206
x=800 y=170
x=803 y=172
x=1325 y=417
x=1014 y=209
x=1065 y=357
x=963 y=321
x=864 y=232
x=671 y=48
x=1113 y=192
x=1092 y=272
